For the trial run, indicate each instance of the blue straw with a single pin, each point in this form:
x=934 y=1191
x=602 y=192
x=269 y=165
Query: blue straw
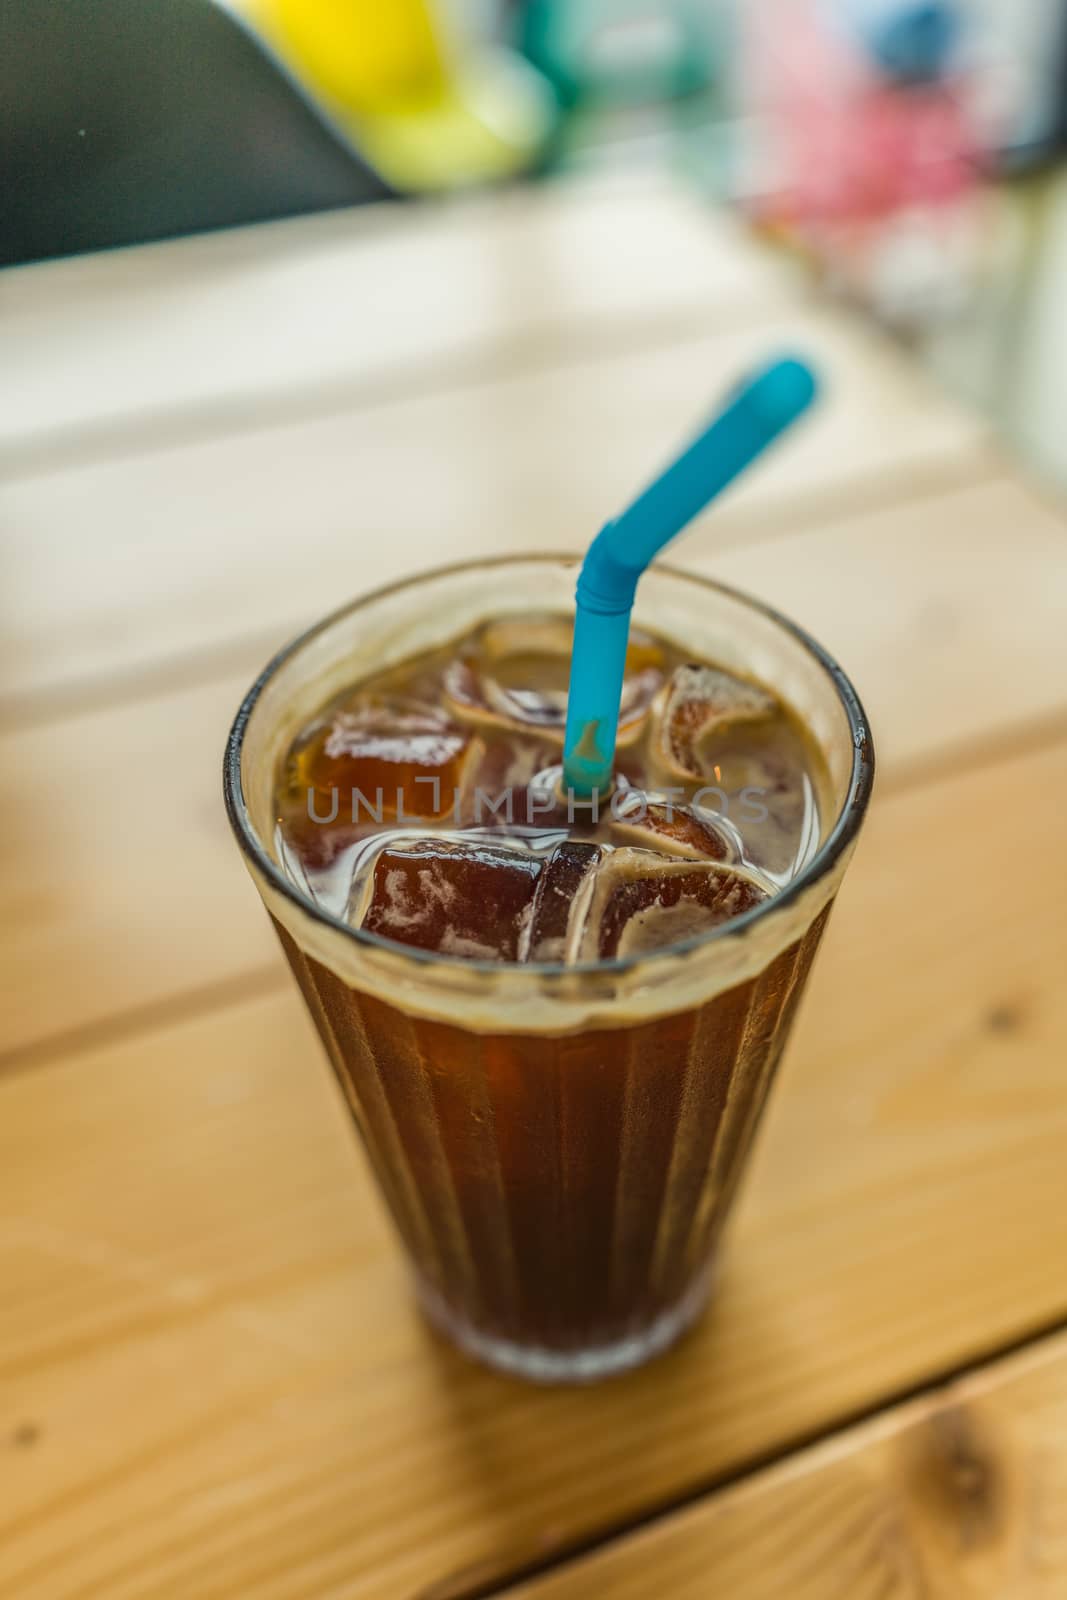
x=761 y=409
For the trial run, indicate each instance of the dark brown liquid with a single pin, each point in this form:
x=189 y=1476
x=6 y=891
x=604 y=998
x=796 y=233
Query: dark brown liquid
x=561 y=1193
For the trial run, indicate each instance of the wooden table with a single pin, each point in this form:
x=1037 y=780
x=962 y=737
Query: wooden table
x=212 y=1380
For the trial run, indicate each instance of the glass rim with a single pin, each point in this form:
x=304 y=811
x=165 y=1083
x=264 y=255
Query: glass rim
x=839 y=838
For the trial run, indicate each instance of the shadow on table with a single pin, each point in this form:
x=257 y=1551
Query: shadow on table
x=601 y=1453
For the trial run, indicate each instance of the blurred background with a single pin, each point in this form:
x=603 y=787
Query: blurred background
x=908 y=151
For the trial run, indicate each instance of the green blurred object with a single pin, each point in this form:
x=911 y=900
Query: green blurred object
x=616 y=51
x=429 y=111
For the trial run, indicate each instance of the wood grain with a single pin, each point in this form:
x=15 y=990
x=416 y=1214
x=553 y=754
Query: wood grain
x=957 y=1496
x=120 y=873
x=113 y=348
x=212 y=1382
x=146 y=563
x=103 y=909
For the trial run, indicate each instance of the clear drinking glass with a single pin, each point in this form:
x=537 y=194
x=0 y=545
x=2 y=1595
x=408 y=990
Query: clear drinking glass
x=558 y=1147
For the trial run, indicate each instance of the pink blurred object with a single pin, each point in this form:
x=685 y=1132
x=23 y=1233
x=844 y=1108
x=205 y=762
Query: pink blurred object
x=851 y=160
x=848 y=144
x=881 y=150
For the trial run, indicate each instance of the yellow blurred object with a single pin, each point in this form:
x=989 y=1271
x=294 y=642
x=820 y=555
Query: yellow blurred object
x=367 y=55
x=428 y=117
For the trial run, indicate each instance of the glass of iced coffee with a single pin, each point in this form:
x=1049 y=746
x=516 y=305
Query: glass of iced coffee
x=555 y=1019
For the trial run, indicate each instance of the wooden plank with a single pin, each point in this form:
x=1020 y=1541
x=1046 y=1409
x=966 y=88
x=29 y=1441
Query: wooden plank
x=114 y=567
x=103 y=816
x=201 y=331
x=956 y=1496
x=944 y=612
x=207 y=1348
x=121 y=887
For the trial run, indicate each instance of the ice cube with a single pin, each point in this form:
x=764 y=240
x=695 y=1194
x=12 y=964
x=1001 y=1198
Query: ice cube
x=679 y=830
x=513 y=784
x=776 y=805
x=556 y=900
x=514 y=674
x=697 y=703
x=372 y=761
x=315 y=846
x=642 y=902
x=459 y=898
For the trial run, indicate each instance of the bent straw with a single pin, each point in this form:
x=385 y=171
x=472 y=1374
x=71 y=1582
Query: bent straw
x=764 y=406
